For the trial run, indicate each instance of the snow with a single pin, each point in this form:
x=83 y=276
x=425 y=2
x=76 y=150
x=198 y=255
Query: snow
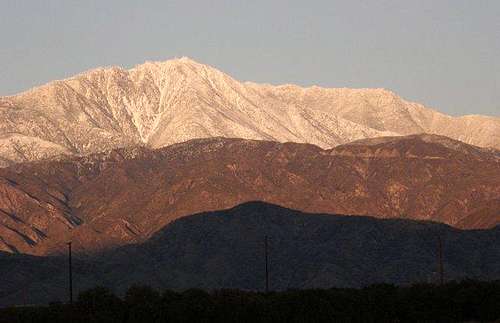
x=162 y=103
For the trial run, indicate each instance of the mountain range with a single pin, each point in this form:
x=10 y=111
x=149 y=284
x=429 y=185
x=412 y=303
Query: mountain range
x=161 y=103
x=124 y=196
x=172 y=173
x=225 y=249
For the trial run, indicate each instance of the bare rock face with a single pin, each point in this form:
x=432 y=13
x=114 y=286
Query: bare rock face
x=160 y=103
x=124 y=196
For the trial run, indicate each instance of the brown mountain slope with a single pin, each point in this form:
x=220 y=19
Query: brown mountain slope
x=124 y=196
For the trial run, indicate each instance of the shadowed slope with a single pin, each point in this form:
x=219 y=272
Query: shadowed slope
x=225 y=249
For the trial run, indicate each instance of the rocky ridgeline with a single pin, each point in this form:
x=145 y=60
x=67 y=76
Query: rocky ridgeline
x=161 y=103
x=124 y=196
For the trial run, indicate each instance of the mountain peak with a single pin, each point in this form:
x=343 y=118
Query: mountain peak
x=162 y=103
x=184 y=60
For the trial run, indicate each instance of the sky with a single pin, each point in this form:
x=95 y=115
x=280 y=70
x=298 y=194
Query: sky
x=442 y=53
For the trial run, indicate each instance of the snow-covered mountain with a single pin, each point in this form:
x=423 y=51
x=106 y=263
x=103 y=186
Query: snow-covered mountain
x=161 y=103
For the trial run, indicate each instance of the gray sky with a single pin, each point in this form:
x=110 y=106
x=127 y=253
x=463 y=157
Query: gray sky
x=442 y=53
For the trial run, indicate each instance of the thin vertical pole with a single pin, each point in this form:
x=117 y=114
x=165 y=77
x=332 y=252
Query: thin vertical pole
x=441 y=266
x=70 y=268
x=267 y=265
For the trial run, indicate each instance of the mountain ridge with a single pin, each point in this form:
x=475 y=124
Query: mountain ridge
x=161 y=103
x=225 y=249
x=126 y=195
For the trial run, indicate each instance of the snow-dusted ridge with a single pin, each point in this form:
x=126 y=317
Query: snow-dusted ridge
x=161 y=103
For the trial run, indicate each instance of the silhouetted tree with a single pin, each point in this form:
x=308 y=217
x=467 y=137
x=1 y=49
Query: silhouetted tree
x=143 y=304
x=99 y=305
x=452 y=302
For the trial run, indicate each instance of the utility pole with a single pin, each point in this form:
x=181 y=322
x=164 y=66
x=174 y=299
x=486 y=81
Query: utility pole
x=440 y=256
x=267 y=264
x=70 y=268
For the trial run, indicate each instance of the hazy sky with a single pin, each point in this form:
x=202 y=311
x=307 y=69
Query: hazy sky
x=445 y=54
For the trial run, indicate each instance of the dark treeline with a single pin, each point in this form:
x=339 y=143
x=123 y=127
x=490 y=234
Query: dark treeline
x=453 y=302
